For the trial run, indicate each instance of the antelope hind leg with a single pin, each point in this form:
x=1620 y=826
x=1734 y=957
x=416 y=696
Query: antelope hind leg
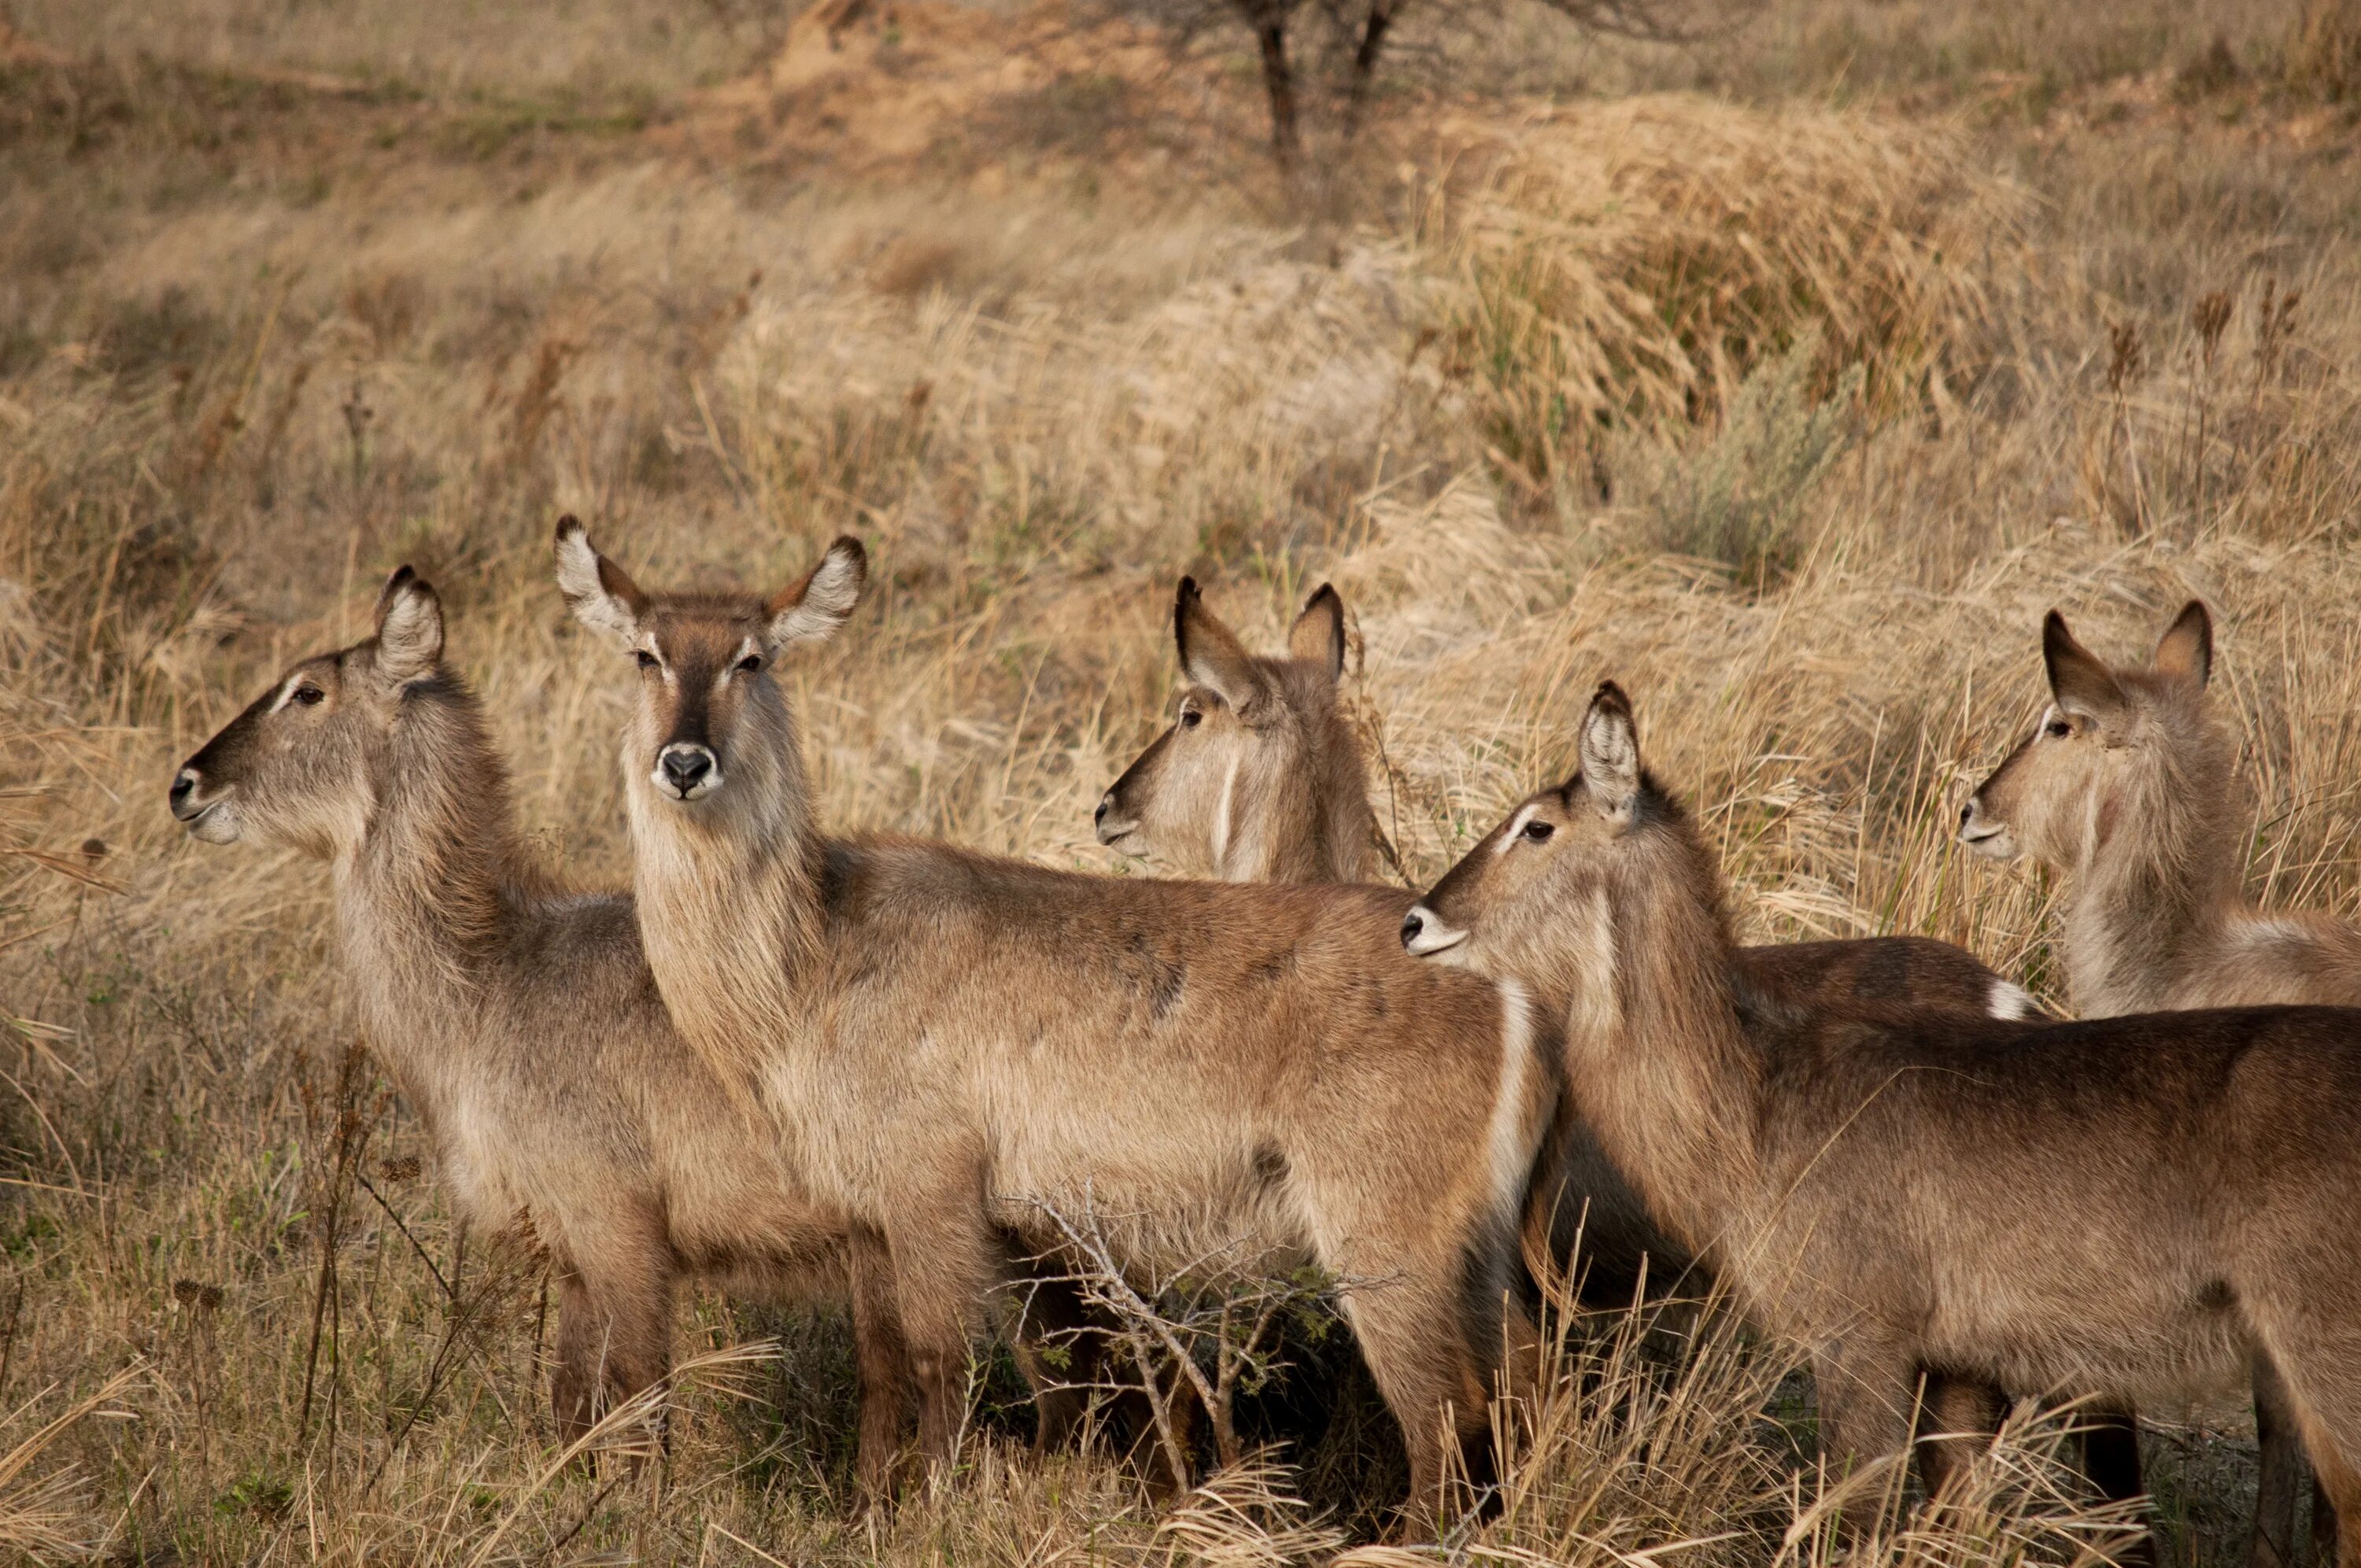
x=2279 y=1470
x=1414 y=1337
x=1956 y=1423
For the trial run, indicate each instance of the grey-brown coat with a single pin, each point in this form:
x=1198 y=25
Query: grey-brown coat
x=518 y=1018
x=2136 y=1205
x=950 y=1041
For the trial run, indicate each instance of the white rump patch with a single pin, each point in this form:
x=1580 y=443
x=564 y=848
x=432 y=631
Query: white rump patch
x=2011 y=1001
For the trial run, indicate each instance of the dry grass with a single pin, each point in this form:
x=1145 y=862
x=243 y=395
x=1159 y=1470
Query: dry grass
x=260 y=347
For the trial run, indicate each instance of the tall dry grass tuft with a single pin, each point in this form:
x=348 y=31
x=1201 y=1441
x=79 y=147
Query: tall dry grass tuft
x=1635 y=260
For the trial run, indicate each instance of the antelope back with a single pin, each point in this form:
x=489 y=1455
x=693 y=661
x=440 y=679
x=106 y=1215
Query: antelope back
x=306 y=761
x=1259 y=778
x=2119 y=755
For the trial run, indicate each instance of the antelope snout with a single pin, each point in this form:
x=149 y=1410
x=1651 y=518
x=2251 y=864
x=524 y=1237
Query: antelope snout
x=1111 y=825
x=1981 y=834
x=685 y=771
x=209 y=820
x=1423 y=933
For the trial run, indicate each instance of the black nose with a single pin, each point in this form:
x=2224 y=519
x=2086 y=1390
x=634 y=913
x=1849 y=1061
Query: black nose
x=1411 y=926
x=182 y=783
x=683 y=767
x=1105 y=801
x=1966 y=812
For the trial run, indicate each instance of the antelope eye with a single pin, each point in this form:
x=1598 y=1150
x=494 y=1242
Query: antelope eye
x=310 y=696
x=1191 y=719
x=749 y=664
x=647 y=660
x=1538 y=830
x=2059 y=729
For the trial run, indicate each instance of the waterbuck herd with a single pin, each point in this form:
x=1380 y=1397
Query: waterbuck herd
x=882 y=1071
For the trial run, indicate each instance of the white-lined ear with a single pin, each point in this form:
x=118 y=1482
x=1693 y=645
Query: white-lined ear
x=409 y=628
x=1610 y=752
x=1210 y=655
x=1318 y=635
x=601 y=594
x=2186 y=648
x=811 y=609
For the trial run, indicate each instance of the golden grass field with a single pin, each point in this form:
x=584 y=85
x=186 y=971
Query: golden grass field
x=1787 y=378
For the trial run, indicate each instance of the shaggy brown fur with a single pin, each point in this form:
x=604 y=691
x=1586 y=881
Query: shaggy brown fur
x=2128 y=785
x=950 y=1041
x=1213 y=782
x=1260 y=779
x=522 y=1023
x=519 y=1019
x=2137 y=1205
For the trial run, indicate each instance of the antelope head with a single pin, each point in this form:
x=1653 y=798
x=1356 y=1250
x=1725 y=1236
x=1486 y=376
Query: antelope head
x=708 y=708
x=1512 y=903
x=2109 y=740
x=1235 y=781
x=298 y=767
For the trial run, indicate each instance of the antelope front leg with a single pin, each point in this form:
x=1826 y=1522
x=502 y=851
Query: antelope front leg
x=1866 y=1387
x=614 y=1338
x=881 y=1351
x=2279 y=1470
x=1956 y=1425
x=944 y=1264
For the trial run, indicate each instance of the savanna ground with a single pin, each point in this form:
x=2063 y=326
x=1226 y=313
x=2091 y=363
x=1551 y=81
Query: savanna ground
x=1787 y=377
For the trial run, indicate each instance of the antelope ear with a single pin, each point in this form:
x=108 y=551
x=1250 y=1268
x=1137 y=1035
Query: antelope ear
x=1318 y=635
x=602 y=595
x=2077 y=679
x=810 y=609
x=409 y=628
x=1210 y=655
x=2186 y=648
x=1610 y=752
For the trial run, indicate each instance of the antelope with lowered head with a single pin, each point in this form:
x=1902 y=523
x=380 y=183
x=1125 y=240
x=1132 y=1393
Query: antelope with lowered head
x=952 y=1042
x=2128 y=785
x=2137 y=1206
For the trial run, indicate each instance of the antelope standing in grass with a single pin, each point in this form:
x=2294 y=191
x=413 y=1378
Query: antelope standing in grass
x=2128 y=785
x=953 y=1041
x=2140 y=1206
x=1261 y=776
x=519 y=1019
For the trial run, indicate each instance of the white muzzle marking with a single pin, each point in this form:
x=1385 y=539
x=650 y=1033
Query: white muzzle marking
x=686 y=781
x=1431 y=936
